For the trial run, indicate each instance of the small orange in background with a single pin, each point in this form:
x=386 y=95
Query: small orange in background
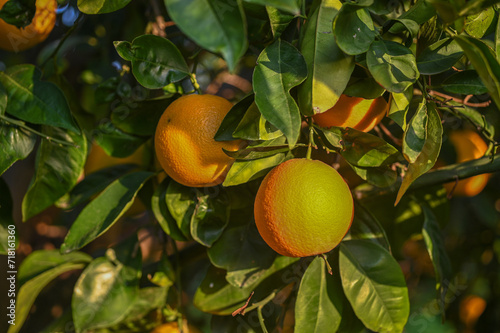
x=173 y=327
x=355 y=112
x=184 y=140
x=469 y=146
x=14 y=39
x=471 y=308
x=303 y=208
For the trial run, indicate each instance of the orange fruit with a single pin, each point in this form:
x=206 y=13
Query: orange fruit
x=469 y=146
x=14 y=39
x=184 y=140
x=173 y=327
x=355 y=112
x=471 y=308
x=303 y=208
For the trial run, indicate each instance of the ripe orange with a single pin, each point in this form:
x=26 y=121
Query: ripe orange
x=14 y=39
x=184 y=140
x=303 y=208
x=356 y=112
x=469 y=146
x=173 y=327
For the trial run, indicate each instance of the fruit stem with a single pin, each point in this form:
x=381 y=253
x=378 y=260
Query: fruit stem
x=261 y=320
x=311 y=138
x=328 y=267
x=262 y=303
x=40 y=134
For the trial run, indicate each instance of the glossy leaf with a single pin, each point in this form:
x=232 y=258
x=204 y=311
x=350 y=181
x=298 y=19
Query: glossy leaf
x=51 y=267
x=400 y=104
x=260 y=150
x=429 y=153
x=368 y=269
x=95 y=183
x=485 y=63
x=102 y=212
x=318 y=307
x=476 y=118
x=243 y=171
x=156 y=61
x=416 y=133
x=439 y=57
x=392 y=65
x=434 y=242
x=162 y=214
x=115 y=142
x=366 y=88
x=476 y=25
x=107 y=288
x=181 y=203
x=383 y=176
x=290 y=6
x=253 y=126
x=249 y=257
x=279 y=20
x=15 y=144
x=329 y=68
x=219 y=28
x=465 y=82
x=280 y=67
x=232 y=119
x=57 y=170
x=34 y=100
x=210 y=218
x=215 y=295
x=420 y=13
x=101 y=6
x=366 y=226
x=3 y=100
x=8 y=235
x=353 y=29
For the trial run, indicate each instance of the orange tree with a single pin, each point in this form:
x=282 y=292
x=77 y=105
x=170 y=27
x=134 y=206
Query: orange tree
x=414 y=255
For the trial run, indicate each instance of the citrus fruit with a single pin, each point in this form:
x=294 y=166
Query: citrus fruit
x=355 y=112
x=184 y=140
x=303 y=208
x=173 y=327
x=14 y=39
x=469 y=146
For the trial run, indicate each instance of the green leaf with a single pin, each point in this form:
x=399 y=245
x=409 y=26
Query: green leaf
x=485 y=63
x=497 y=40
x=476 y=25
x=253 y=126
x=475 y=6
x=280 y=67
x=415 y=134
x=15 y=144
x=95 y=183
x=57 y=171
x=215 y=295
x=318 y=307
x=465 y=82
x=220 y=25
x=366 y=150
x=404 y=24
x=447 y=10
x=439 y=57
x=18 y=12
x=47 y=270
x=383 y=176
x=366 y=226
x=366 y=88
x=156 y=61
x=162 y=214
x=181 y=203
x=290 y=6
x=329 y=68
x=279 y=20
x=232 y=119
x=102 y=212
x=8 y=233
x=108 y=287
x=400 y=104
x=101 y=6
x=476 y=118
x=434 y=242
x=210 y=218
x=392 y=65
x=115 y=142
x=353 y=29
x=139 y=117
x=241 y=251
x=36 y=101
x=369 y=270
x=246 y=170
x=420 y=12
x=148 y=299
x=429 y=153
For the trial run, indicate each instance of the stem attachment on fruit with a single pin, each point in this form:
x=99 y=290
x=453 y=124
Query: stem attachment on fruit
x=311 y=138
x=328 y=267
x=195 y=83
x=40 y=134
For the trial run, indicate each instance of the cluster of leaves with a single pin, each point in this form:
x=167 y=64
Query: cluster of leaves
x=308 y=53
